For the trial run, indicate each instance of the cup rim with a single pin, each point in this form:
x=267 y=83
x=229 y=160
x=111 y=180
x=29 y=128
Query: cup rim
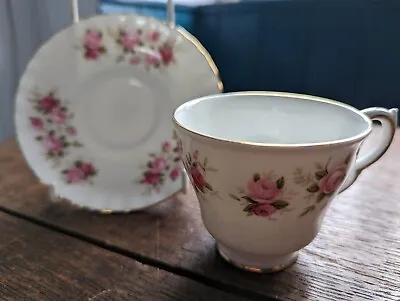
x=337 y=142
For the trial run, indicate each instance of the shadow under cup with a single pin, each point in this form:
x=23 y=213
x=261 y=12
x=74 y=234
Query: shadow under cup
x=266 y=165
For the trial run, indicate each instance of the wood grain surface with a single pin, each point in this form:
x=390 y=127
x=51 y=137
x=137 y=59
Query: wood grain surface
x=40 y=264
x=356 y=255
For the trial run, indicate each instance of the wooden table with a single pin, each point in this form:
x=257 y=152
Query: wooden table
x=54 y=251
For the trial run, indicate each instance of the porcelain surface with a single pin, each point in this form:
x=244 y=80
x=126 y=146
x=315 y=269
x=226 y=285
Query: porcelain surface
x=93 y=109
x=266 y=166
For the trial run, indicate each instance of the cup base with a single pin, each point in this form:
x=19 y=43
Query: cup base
x=256 y=263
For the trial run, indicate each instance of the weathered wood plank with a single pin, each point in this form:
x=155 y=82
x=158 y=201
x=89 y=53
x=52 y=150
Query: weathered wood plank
x=355 y=257
x=40 y=264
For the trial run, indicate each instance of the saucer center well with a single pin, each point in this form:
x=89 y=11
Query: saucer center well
x=119 y=108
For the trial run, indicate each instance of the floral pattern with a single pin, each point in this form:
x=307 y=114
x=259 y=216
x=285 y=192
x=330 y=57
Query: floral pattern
x=161 y=166
x=136 y=47
x=197 y=170
x=81 y=171
x=54 y=130
x=263 y=196
x=93 y=47
x=323 y=183
x=145 y=49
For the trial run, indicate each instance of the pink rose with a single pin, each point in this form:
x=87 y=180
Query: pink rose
x=158 y=164
x=198 y=180
x=175 y=173
x=263 y=189
x=92 y=40
x=53 y=144
x=154 y=36
x=151 y=178
x=333 y=179
x=58 y=116
x=134 y=61
x=130 y=40
x=264 y=209
x=71 y=131
x=74 y=175
x=48 y=103
x=92 y=54
x=87 y=168
x=37 y=123
x=167 y=54
x=166 y=146
x=152 y=59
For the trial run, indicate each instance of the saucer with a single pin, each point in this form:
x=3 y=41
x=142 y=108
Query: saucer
x=94 y=104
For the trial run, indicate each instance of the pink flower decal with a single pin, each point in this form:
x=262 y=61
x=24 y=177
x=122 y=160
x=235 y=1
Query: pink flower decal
x=166 y=146
x=152 y=59
x=322 y=183
x=129 y=40
x=81 y=171
x=53 y=145
x=263 y=189
x=47 y=103
x=58 y=115
x=264 y=210
x=37 y=123
x=167 y=54
x=159 y=164
x=56 y=135
x=197 y=171
x=154 y=36
x=333 y=179
x=264 y=196
x=139 y=47
x=93 y=44
x=175 y=173
x=161 y=167
x=74 y=175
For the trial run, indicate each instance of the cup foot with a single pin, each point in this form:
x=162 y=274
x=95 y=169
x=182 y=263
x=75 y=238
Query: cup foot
x=256 y=263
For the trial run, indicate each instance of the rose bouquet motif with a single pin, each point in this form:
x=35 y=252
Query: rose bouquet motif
x=264 y=195
x=92 y=45
x=197 y=170
x=144 y=48
x=323 y=183
x=162 y=166
x=52 y=124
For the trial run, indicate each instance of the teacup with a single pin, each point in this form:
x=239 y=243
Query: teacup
x=266 y=165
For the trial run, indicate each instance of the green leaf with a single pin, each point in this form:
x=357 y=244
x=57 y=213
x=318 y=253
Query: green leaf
x=211 y=169
x=248 y=208
x=313 y=188
x=256 y=177
x=249 y=199
x=320 y=174
x=208 y=186
x=320 y=197
x=280 y=183
x=39 y=138
x=234 y=197
x=280 y=204
x=307 y=210
x=205 y=162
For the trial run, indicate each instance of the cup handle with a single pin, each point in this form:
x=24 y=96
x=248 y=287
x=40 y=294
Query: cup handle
x=388 y=121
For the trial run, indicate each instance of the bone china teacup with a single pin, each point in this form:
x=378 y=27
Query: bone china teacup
x=266 y=165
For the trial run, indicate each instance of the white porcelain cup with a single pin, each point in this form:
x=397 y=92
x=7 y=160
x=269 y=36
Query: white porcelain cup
x=265 y=165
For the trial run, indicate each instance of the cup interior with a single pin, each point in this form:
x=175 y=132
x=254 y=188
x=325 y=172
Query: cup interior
x=272 y=118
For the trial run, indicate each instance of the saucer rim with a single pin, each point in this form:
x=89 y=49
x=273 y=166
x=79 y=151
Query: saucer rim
x=232 y=142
